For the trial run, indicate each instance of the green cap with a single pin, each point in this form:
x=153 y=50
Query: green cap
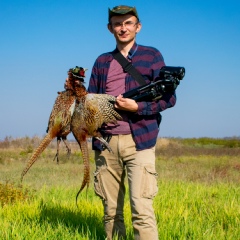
x=122 y=10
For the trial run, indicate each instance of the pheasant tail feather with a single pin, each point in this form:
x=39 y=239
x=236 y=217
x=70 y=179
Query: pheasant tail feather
x=44 y=143
x=86 y=175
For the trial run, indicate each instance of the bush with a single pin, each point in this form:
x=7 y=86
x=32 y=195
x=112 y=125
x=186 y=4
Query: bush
x=10 y=193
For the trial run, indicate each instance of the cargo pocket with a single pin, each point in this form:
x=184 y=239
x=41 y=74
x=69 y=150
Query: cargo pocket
x=149 y=183
x=98 y=186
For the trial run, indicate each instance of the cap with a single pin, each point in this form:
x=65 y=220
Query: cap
x=122 y=10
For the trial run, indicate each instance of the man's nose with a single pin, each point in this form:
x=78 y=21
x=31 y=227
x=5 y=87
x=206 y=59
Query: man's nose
x=123 y=26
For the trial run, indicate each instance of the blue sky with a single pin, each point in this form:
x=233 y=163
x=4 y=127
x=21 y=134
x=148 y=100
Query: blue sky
x=40 y=40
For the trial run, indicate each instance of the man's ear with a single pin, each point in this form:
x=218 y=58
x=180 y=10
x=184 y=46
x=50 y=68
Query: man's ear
x=109 y=26
x=139 y=27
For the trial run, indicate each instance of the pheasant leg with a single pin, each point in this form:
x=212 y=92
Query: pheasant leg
x=102 y=140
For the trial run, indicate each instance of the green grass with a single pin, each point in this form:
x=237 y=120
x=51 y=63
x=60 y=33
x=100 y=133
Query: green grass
x=198 y=211
x=52 y=215
x=228 y=143
x=198 y=196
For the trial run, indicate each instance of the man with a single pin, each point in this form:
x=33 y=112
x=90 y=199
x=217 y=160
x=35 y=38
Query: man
x=133 y=139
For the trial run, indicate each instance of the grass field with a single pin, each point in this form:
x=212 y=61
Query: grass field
x=198 y=198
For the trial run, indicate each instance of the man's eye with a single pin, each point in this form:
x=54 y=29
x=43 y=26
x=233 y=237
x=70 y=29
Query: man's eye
x=128 y=23
x=117 y=24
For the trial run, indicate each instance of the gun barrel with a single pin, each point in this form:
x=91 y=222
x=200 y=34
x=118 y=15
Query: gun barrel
x=131 y=93
x=138 y=90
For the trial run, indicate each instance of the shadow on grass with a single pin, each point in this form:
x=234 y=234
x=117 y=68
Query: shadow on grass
x=76 y=221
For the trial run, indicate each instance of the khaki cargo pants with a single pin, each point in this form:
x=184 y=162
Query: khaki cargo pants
x=109 y=185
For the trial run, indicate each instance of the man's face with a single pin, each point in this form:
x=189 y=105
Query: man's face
x=124 y=28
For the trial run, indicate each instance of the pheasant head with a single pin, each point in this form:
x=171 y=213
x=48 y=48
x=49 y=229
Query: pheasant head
x=78 y=72
x=74 y=75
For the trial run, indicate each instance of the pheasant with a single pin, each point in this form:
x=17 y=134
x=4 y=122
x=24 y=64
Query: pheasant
x=91 y=111
x=60 y=118
x=62 y=136
x=88 y=112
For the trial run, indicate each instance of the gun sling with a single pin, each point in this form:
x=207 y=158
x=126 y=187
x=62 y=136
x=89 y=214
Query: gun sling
x=128 y=67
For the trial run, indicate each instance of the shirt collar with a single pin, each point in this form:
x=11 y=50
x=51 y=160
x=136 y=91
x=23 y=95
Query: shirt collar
x=131 y=52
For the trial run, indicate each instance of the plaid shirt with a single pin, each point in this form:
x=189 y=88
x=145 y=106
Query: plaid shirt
x=145 y=122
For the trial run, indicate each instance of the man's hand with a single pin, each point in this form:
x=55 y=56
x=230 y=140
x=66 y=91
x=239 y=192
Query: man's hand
x=126 y=104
